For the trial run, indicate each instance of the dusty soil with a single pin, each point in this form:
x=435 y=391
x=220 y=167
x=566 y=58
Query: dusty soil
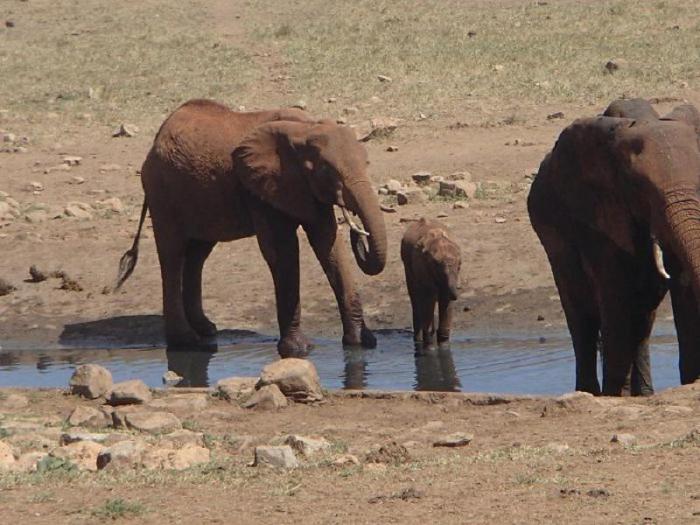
x=530 y=461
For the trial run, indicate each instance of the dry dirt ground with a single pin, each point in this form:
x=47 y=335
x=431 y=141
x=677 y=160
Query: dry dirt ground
x=507 y=475
x=530 y=461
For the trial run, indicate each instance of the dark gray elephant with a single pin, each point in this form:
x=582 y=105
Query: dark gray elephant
x=610 y=195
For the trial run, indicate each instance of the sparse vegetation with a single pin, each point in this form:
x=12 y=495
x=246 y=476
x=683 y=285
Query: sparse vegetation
x=118 y=508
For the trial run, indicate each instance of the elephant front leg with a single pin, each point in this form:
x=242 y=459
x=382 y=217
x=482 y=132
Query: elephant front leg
x=445 y=312
x=685 y=317
x=335 y=261
x=279 y=245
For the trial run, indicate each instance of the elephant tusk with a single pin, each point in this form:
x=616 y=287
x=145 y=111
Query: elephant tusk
x=353 y=226
x=659 y=260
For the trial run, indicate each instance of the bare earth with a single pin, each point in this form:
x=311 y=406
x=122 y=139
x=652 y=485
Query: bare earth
x=516 y=470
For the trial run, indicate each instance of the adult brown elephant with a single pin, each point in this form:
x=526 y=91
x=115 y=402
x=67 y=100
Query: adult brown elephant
x=215 y=175
x=609 y=195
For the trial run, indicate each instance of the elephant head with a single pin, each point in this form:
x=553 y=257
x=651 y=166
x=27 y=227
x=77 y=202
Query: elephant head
x=636 y=173
x=300 y=167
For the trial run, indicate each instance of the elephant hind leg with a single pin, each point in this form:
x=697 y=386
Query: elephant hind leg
x=171 y=254
x=196 y=253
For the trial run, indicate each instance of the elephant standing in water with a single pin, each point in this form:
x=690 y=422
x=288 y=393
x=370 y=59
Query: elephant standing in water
x=609 y=196
x=214 y=175
x=431 y=262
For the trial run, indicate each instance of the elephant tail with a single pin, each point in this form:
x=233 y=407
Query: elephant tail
x=128 y=261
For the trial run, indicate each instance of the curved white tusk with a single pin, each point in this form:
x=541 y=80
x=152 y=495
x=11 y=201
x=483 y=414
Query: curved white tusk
x=354 y=227
x=659 y=260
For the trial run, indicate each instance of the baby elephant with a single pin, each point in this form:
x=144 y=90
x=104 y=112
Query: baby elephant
x=432 y=262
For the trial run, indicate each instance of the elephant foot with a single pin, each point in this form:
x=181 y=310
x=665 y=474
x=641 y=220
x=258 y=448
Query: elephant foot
x=182 y=338
x=443 y=337
x=204 y=327
x=294 y=346
x=365 y=338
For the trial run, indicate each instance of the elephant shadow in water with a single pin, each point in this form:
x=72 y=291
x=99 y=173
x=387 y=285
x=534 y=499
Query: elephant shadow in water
x=135 y=331
x=191 y=364
x=434 y=368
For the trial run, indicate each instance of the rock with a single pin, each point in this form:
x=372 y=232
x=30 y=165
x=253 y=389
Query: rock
x=269 y=397
x=88 y=417
x=307 y=446
x=72 y=160
x=35 y=186
x=678 y=410
x=119 y=415
x=393 y=186
x=422 y=177
x=346 y=460
x=383 y=78
x=125 y=130
x=499 y=220
x=134 y=391
x=626 y=440
x=614 y=65
x=110 y=167
x=76 y=179
x=113 y=204
x=9 y=138
x=498 y=67
x=442 y=215
x=351 y=110
x=6 y=288
x=9 y=23
x=460 y=175
x=13 y=402
x=60 y=167
x=153 y=422
x=460 y=205
x=123 y=455
x=415 y=196
x=392 y=148
x=379 y=128
x=91 y=381
x=7 y=457
x=458 y=189
x=171 y=459
x=281 y=456
x=301 y=104
x=82 y=454
x=393 y=453
x=571 y=402
x=36 y=216
x=79 y=210
x=296 y=378
x=383 y=191
x=555 y=116
x=454 y=440
x=171 y=378
x=181 y=438
x=233 y=387
x=28 y=462
x=74 y=437
x=182 y=402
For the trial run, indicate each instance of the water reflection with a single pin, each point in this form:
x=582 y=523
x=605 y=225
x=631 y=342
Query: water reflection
x=191 y=363
x=435 y=368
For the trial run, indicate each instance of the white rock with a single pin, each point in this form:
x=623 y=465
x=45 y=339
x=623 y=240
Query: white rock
x=83 y=416
x=125 y=130
x=153 y=422
x=172 y=459
x=454 y=440
x=91 y=381
x=134 y=391
x=282 y=456
x=296 y=378
x=268 y=397
x=83 y=454
x=72 y=160
x=79 y=210
x=171 y=378
x=233 y=387
x=307 y=446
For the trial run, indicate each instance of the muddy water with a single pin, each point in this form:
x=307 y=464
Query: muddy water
x=503 y=364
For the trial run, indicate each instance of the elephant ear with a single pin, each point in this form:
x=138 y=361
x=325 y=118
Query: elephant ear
x=269 y=163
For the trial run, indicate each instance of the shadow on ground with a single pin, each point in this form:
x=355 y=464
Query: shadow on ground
x=138 y=331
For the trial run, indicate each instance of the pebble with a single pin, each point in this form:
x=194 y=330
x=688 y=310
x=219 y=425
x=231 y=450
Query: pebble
x=125 y=130
x=626 y=440
x=454 y=440
x=384 y=78
x=171 y=378
x=76 y=179
x=72 y=160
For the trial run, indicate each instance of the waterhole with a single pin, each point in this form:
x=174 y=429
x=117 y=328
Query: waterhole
x=517 y=364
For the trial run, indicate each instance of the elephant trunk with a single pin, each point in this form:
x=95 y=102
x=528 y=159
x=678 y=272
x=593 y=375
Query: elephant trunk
x=683 y=219
x=370 y=250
